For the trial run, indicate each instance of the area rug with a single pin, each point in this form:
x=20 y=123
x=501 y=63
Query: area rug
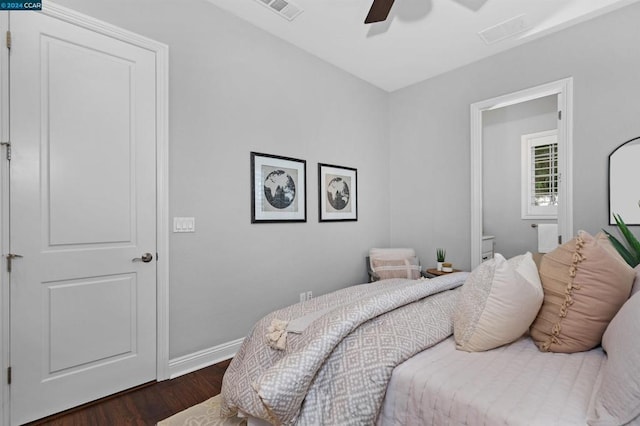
x=206 y=413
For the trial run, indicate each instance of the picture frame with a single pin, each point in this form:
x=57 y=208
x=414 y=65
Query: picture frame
x=278 y=189
x=337 y=193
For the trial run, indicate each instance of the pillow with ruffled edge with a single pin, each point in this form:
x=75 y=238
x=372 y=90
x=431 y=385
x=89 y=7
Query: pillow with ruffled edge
x=585 y=282
x=616 y=396
x=497 y=303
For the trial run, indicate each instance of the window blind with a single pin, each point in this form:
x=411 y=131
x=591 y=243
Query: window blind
x=544 y=179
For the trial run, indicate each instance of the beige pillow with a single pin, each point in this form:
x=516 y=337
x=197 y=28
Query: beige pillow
x=585 y=283
x=396 y=268
x=497 y=303
x=537 y=258
x=616 y=397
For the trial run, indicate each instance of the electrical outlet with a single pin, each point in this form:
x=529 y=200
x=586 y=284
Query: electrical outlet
x=309 y=295
x=303 y=296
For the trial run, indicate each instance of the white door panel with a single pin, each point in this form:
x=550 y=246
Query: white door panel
x=76 y=308
x=79 y=196
x=83 y=314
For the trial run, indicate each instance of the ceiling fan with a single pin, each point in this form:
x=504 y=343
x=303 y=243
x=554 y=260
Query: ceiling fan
x=379 y=11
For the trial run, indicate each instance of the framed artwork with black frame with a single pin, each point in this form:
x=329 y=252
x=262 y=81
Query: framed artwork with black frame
x=278 y=189
x=337 y=193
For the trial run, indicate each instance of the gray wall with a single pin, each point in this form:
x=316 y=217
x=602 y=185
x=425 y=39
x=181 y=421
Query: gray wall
x=501 y=172
x=430 y=177
x=236 y=89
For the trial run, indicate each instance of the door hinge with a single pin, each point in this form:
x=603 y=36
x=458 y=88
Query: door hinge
x=559 y=115
x=559 y=239
x=9 y=375
x=8 y=145
x=8 y=39
x=10 y=258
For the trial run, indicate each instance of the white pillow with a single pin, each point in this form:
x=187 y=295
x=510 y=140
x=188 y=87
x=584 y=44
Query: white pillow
x=616 y=396
x=497 y=303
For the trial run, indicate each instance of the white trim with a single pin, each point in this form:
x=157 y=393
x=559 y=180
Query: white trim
x=204 y=358
x=565 y=164
x=162 y=213
x=162 y=172
x=101 y=27
x=564 y=90
x=4 y=226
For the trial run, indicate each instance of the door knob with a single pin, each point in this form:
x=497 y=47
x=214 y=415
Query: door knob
x=146 y=258
x=10 y=258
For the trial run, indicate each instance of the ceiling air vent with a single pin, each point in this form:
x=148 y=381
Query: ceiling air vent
x=284 y=8
x=503 y=30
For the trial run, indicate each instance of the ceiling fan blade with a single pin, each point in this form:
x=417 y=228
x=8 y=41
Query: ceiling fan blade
x=379 y=11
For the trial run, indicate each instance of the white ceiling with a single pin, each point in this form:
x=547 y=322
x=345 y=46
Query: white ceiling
x=420 y=39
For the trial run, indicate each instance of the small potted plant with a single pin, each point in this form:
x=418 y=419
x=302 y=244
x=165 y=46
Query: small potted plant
x=440 y=257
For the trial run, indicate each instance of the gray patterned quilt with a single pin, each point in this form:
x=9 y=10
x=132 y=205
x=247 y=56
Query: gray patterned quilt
x=335 y=368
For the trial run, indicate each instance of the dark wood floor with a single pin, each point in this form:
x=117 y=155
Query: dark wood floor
x=147 y=404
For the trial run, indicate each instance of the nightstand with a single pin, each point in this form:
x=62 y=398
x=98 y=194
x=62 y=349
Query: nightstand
x=433 y=272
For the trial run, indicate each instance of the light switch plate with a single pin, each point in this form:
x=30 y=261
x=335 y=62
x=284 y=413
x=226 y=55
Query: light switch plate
x=184 y=224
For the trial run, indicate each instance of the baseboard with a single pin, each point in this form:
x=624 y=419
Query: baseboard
x=204 y=358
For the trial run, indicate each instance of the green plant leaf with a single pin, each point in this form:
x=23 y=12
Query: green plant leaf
x=626 y=254
x=629 y=252
x=632 y=241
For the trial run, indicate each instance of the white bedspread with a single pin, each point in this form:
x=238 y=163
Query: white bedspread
x=512 y=385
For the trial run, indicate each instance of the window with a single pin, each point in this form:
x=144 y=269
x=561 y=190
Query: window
x=540 y=175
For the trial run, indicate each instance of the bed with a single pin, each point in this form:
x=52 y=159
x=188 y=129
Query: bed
x=515 y=384
x=383 y=353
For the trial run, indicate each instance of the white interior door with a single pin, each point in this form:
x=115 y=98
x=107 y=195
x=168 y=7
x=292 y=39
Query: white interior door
x=82 y=206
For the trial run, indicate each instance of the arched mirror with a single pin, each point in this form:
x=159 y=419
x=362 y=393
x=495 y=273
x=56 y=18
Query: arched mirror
x=624 y=175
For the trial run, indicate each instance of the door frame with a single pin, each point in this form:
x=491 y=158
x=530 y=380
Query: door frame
x=564 y=90
x=161 y=52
